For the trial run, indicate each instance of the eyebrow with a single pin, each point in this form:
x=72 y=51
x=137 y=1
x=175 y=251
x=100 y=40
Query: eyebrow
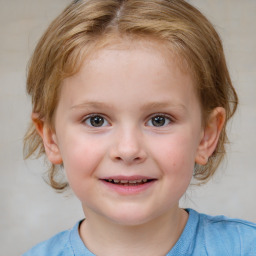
x=166 y=104
x=149 y=105
x=91 y=104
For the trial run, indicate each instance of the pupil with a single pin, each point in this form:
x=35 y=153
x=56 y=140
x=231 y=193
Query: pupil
x=158 y=121
x=97 y=121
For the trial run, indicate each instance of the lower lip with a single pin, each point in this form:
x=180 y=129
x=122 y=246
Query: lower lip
x=129 y=189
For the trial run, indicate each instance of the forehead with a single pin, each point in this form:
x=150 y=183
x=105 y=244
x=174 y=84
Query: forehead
x=117 y=49
x=147 y=68
x=107 y=46
x=140 y=43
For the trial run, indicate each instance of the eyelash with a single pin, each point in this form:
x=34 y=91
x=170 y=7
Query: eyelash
x=166 y=117
x=88 y=118
x=162 y=117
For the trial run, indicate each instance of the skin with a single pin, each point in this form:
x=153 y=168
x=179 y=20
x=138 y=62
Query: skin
x=127 y=85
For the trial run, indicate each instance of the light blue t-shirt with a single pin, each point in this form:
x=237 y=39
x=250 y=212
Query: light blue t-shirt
x=202 y=235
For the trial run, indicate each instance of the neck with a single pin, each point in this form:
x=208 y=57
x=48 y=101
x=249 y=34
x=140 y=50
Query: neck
x=156 y=237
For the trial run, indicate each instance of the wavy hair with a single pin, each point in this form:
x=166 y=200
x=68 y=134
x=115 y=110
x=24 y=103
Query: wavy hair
x=84 y=24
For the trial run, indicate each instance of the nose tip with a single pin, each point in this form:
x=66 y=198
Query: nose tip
x=129 y=159
x=129 y=150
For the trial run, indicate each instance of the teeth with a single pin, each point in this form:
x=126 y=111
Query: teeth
x=124 y=181
x=127 y=181
x=132 y=181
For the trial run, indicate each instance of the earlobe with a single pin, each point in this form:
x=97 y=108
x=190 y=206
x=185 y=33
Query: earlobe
x=49 y=139
x=210 y=135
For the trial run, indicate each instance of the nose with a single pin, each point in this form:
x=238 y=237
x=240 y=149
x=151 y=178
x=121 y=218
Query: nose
x=128 y=148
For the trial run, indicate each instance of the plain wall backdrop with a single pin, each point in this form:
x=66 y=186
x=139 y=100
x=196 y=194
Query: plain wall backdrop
x=30 y=211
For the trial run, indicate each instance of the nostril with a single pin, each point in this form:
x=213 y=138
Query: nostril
x=128 y=159
x=127 y=154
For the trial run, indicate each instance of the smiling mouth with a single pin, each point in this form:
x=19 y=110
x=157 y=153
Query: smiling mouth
x=129 y=182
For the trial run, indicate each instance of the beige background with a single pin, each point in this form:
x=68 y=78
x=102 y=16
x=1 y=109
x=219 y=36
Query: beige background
x=30 y=211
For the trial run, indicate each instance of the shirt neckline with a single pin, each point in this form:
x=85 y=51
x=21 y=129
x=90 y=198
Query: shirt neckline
x=183 y=246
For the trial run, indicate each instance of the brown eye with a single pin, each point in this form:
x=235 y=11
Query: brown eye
x=159 y=121
x=96 y=121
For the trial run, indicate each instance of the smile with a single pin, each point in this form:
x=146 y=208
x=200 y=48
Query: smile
x=128 y=182
x=128 y=185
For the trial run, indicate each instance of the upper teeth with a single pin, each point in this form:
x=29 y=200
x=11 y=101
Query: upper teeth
x=127 y=181
x=124 y=181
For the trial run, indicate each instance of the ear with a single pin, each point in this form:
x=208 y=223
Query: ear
x=49 y=139
x=210 y=135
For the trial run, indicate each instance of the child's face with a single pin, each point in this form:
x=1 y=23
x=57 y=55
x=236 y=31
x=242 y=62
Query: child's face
x=129 y=115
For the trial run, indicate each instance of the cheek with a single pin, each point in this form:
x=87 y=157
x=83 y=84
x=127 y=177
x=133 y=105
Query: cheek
x=175 y=155
x=81 y=156
x=81 y=159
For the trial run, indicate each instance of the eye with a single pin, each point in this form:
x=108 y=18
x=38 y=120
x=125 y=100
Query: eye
x=159 y=121
x=96 y=121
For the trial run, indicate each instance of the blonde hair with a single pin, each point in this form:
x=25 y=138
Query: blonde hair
x=83 y=24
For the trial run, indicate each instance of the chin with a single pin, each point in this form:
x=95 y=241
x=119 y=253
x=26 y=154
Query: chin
x=131 y=218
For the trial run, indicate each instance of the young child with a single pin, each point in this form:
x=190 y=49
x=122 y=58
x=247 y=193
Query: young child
x=131 y=98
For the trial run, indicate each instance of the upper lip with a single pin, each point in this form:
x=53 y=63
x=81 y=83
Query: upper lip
x=128 y=178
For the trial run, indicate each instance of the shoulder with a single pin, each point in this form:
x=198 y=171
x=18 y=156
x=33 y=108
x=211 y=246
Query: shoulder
x=234 y=236
x=58 y=245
